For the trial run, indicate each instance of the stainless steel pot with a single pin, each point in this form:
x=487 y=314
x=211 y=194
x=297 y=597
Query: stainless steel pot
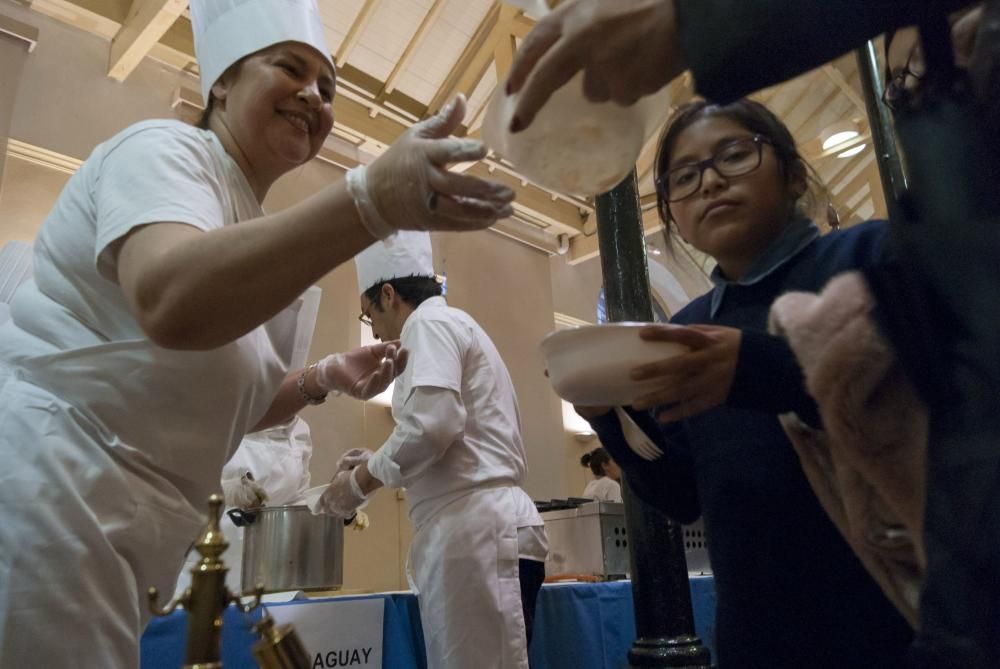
x=288 y=548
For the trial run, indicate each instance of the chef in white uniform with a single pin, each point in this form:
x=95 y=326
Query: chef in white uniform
x=457 y=450
x=606 y=486
x=152 y=336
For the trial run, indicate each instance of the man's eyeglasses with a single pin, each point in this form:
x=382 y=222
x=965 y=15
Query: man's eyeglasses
x=734 y=159
x=897 y=94
x=365 y=318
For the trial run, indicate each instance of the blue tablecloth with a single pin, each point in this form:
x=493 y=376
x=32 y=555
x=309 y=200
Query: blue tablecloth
x=577 y=626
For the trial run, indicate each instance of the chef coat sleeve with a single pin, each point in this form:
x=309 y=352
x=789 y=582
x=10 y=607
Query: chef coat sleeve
x=768 y=378
x=156 y=174
x=432 y=419
x=433 y=414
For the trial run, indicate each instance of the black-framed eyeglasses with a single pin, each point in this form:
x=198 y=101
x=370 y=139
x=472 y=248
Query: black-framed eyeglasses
x=733 y=159
x=366 y=319
x=896 y=95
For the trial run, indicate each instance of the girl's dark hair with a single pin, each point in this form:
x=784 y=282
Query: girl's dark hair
x=412 y=289
x=596 y=460
x=759 y=120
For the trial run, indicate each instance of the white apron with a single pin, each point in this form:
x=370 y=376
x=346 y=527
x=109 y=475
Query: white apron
x=103 y=491
x=464 y=566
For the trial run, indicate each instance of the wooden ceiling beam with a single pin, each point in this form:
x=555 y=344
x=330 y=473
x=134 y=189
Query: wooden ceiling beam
x=146 y=23
x=354 y=32
x=521 y=26
x=840 y=81
x=503 y=56
x=101 y=17
x=411 y=48
x=559 y=215
x=476 y=57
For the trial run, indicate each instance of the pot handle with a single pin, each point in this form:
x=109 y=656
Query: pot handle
x=241 y=518
x=348 y=521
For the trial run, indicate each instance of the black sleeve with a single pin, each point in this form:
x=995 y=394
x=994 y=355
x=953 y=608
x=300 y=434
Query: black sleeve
x=768 y=378
x=735 y=47
x=667 y=483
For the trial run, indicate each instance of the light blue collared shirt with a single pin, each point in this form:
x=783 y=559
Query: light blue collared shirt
x=798 y=235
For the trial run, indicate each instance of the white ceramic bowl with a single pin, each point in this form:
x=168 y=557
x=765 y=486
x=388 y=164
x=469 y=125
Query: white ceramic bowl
x=590 y=365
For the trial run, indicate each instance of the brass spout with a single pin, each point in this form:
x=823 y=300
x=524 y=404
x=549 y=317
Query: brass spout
x=279 y=647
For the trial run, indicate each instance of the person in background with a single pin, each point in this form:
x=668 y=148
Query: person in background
x=731 y=182
x=606 y=486
x=478 y=553
x=155 y=332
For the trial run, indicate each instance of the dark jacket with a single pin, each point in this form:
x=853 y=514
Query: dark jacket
x=790 y=592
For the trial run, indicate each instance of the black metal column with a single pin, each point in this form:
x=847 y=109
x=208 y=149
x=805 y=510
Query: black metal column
x=890 y=166
x=664 y=620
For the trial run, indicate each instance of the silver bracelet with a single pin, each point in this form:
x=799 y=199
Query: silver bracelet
x=301 y=385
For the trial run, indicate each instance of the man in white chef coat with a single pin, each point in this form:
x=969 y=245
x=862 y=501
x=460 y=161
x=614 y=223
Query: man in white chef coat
x=477 y=558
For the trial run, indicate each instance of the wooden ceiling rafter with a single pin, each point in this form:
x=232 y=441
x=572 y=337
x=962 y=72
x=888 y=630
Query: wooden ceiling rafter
x=418 y=38
x=147 y=21
x=475 y=60
x=354 y=33
x=840 y=81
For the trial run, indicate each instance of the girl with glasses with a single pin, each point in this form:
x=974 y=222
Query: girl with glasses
x=791 y=593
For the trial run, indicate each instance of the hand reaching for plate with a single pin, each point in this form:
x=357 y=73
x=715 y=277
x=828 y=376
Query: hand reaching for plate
x=691 y=382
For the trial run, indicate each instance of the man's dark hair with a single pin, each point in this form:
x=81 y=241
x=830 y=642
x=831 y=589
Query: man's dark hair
x=412 y=289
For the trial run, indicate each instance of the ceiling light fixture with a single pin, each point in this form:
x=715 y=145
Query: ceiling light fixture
x=837 y=134
x=853 y=151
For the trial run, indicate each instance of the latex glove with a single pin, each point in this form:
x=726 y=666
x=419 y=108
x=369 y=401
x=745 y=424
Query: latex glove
x=360 y=522
x=243 y=493
x=363 y=372
x=409 y=187
x=343 y=496
x=626 y=48
x=353 y=458
x=692 y=382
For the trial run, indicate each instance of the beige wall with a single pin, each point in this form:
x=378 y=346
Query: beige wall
x=13 y=53
x=26 y=195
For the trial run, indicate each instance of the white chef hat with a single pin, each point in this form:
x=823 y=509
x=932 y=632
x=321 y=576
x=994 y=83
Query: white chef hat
x=227 y=30
x=405 y=253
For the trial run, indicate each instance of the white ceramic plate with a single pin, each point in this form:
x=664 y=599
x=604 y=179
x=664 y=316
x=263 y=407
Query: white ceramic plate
x=590 y=365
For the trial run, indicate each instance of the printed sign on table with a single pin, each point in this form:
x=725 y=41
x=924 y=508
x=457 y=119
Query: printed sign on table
x=337 y=633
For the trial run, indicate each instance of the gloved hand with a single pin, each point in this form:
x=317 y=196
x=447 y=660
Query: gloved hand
x=363 y=372
x=243 y=492
x=360 y=522
x=353 y=458
x=343 y=496
x=410 y=188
